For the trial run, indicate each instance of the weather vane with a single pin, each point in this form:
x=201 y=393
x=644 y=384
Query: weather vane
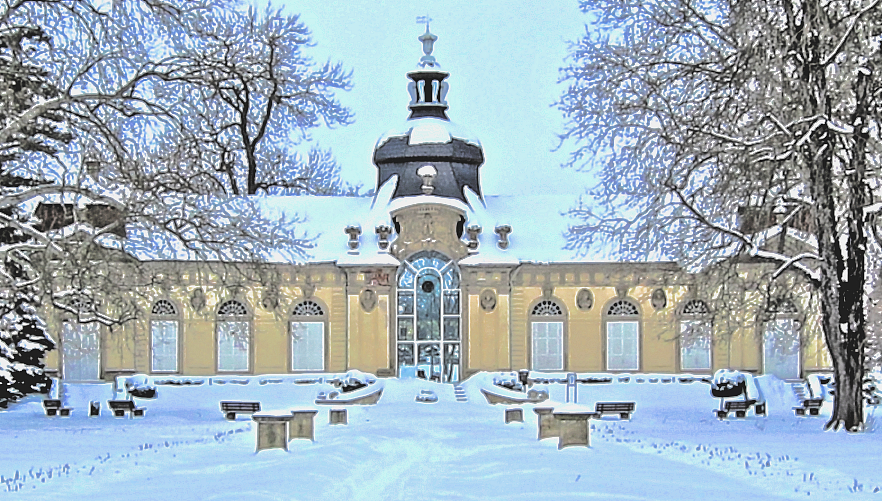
x=424 y=19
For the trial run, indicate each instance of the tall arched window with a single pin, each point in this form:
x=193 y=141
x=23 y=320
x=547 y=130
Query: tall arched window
x=622 y=327
x=164 y=339
x=307 y=330
x=695 y=336
x=781 y=347
x=428 y=335
x=547 y=324
x=233 y=337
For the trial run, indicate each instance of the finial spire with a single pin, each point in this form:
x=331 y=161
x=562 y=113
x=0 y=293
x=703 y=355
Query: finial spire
x=428 y=41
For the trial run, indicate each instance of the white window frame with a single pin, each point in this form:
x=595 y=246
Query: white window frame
x=688 y=335
x=69 y=327
x=545 y=354
x=297 y=362
x=620 y=325
x=157 y=335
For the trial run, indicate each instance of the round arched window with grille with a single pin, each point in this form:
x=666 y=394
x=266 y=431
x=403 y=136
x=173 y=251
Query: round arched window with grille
x=233 y=337
x=622 y=341
x=308 y=328
x=164 y=337
x=695 y=337
x=547 y=336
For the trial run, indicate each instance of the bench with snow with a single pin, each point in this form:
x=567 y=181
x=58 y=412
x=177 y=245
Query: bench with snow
x=53 y=407
x=120 y=407
x=812 y=405
x=739 y=407
x=623 y=409
x=231 y=408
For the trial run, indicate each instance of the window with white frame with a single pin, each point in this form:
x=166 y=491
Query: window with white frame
x=80 y=351
x=622 y=336
x=233 y=337
x=164 y=324
x=695 y=336
x=547 y=331
x=307 y=328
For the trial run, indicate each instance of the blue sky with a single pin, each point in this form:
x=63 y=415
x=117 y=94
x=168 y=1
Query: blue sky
x=503 y=58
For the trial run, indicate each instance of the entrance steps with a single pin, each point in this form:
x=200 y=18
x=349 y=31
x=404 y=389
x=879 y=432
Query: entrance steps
x=460 y=394
x=800 y=391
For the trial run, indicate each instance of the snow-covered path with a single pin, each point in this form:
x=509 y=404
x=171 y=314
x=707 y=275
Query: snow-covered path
x=401 y=449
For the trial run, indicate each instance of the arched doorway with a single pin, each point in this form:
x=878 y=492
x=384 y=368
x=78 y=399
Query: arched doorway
x=428 y=334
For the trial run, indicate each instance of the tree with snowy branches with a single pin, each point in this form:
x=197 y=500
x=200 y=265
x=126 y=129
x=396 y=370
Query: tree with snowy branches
x=714 y=126
x=139 y=129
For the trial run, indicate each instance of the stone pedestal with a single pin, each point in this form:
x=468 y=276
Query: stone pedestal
x=514 y=414
x=548 y=425
x=272 y=430
x=302 y=424
x=572 y=428
x=337 y=416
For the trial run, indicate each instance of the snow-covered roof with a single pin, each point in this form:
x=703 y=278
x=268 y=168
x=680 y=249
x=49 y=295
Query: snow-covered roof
x=538 y=226
x=429 y=130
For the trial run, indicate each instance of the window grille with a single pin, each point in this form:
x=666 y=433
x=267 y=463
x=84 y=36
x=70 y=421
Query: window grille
x=232 y=308
x=622 y=307
x=164 y=308
x=783 y=307
x=547 y=307
x=307 y=309
x=695 y=307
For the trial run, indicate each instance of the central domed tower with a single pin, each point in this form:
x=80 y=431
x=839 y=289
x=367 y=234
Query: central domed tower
x=430 y=155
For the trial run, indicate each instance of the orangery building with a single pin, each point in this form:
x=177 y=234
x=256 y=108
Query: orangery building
x=430 y=278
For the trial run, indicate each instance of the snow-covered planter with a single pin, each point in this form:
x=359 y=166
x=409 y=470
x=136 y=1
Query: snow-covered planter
x=139 y=386
x=508 y=381
x=727 y=383
x=354 y=380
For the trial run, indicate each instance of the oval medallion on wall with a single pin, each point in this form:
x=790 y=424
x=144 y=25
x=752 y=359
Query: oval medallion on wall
x=659 y=299
x=584 y=299
x=368 y=299
x=488 y=299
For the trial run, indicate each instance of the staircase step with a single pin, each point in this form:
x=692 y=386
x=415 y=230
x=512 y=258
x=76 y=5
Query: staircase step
x=460 y=394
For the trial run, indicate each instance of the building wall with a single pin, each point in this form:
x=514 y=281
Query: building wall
x=494 y=338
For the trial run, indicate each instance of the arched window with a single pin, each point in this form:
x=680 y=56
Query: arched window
x=308 y=326
x=695 y=336
x=622 y=328
x=233 y=337
x=428 y=336
x=781 y=347
x=547 y=325
x=164 y=338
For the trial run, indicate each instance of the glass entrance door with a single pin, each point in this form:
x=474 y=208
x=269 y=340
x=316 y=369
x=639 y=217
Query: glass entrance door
x=428 y=322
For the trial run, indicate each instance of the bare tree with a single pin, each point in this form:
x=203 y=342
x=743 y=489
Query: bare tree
x=144 y=120
x=715 y=126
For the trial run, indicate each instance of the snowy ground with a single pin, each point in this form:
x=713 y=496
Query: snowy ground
x=673 y=448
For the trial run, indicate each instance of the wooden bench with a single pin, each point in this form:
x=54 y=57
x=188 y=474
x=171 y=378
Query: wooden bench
x=53 y=407
x=812 y=405
x=623 y=409
x=120 y=407
x=739 y=407
x=230 y=409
